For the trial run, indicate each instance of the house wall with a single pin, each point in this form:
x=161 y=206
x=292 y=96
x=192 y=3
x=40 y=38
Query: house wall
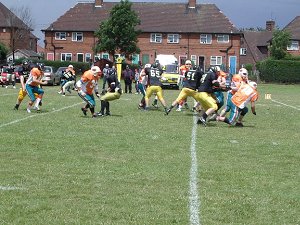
x=188 y=45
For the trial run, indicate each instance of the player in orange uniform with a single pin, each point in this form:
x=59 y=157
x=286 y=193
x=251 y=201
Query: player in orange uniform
x=236 y=81
x=86 y=85
x=245 y=94
x=33 y=88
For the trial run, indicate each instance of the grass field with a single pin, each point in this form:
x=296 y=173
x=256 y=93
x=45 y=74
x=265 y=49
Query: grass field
x=134 y=167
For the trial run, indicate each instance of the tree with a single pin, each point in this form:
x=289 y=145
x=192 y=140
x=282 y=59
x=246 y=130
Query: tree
x=280 y=41
x=20 y=23
x=3 y=52
x=117 y=34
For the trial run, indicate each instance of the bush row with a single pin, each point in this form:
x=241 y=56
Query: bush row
x=279 y=71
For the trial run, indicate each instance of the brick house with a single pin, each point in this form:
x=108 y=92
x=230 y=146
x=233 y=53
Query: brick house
x=294 y=28
x=200 y=32
x=14 y=34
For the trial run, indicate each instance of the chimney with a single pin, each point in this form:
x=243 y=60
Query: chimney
x=98 y=3
x=270 y=25
x=192 y=4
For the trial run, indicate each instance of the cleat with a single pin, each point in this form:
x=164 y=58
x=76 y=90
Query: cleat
x=84 y=111
x=202 y=121
x=107 y=114
x=100 y=114
x=167 y=111
x=213 y=117
x=40 y=103
x=239 y=124
x=94 y=116
x=28 y=110
x=178 y=110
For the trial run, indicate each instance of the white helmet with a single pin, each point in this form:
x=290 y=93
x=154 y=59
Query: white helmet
x=148 y=65
x=95 y=70
x=253 y=84
x=217 y=69
x=188 y=62
x=243 y=72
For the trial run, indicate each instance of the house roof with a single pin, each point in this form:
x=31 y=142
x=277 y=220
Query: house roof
x=155 y=17
x=27 y=53
x=294 y=28
x=256 y=39
x=6 y=17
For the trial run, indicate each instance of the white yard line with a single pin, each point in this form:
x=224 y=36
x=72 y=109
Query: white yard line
x=38 y=114
x=16 y=94
x=194 y=199
x=285 y=104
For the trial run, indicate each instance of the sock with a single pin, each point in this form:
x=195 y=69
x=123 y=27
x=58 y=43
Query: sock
x=204 y=116
x=37 y=102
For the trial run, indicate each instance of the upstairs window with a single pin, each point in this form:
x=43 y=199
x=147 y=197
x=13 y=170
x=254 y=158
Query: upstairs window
x=60 y=36
x=156 y=38
x=294 y=46
x=243 y=51
x=205 y=39
x=77 y=36
x=222 y=38
x=173 y=38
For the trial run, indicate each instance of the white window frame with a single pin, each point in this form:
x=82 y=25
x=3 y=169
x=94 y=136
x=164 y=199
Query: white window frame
x=294 y=46
x=173 y=38
x=61 y=36
x=77 y=36
x=97 y=56
x=205 y=39
x=222 y=38
x=216 y=60
x=88 y=57
x=66 y=57
x=243 y=51
x=105 y=55
x=194 y=59
x=82 y=57
x=156 y=38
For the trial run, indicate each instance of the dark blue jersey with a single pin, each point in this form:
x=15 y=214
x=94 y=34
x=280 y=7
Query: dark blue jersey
x=206 y=82
x=154 y=75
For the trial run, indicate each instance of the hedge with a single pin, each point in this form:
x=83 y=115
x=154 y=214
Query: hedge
x=279 y=71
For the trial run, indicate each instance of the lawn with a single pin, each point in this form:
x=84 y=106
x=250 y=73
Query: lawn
x=135 y=167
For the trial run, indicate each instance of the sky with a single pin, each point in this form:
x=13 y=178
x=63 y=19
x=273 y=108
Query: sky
x=242 y=13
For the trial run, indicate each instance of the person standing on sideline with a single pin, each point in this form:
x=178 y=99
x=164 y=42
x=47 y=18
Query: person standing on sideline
x=104 y=74
x=85 y=86
x=128 y=76
x=33 y=87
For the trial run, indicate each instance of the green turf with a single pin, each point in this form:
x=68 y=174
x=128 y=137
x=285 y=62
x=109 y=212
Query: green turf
x=59 y=167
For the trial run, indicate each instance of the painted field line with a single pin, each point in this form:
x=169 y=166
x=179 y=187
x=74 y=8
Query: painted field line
x=194 y=199
x=37 y=114
x=16 y=94
x=285 y=104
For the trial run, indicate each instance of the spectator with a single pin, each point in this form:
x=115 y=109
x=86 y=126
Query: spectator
x=105 y=75
x=128 y=77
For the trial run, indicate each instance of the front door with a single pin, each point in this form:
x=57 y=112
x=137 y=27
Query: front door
x=202 y=62
x=232 y=64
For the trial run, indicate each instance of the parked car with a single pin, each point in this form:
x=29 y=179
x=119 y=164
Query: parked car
x=170 y=76
x=51 y=76
x=16 y=72
x=4 y=74
x=60 y=71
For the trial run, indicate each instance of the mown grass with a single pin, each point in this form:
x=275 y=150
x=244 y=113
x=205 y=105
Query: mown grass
x=59 y=167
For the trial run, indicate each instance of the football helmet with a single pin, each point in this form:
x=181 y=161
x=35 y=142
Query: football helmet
x=95 y=70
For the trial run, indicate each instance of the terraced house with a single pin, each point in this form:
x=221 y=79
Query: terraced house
x=200 y=32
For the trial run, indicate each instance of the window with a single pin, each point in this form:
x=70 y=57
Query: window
x=77 y=36
x=97 y=57
x=88 y=57
x=294 y=46
x=60 y=36
x=243 y=51
x=173 y=38
x=205 y=38
x=223 y=38
x=135 y=59
x=215 y=60
x=194 y=59
x=156 y=38
x=66 y=56
x=80 y=57
x=105 y=55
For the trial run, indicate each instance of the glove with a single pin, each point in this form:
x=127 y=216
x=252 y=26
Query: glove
x=254 y=113
x=228 y=87
x=98 y=95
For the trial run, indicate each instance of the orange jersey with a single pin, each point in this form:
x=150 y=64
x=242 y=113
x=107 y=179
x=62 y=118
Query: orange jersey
x=183 y=69
x=34 y=73
x=89 y=82
x=245 y=94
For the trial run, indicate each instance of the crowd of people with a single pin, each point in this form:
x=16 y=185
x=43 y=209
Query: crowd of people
x=206 y=88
